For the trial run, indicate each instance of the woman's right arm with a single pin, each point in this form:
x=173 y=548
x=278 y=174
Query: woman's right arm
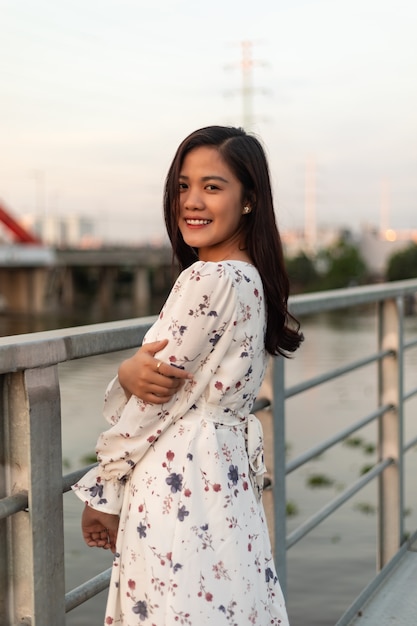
x=199 y=337
x=145 y=376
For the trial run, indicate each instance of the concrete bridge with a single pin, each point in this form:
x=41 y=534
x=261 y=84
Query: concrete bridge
x=37 y=279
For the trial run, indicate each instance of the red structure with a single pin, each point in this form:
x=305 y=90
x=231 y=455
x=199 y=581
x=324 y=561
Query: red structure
x=20 y=234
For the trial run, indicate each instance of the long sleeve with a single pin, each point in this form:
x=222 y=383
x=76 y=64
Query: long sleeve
x=199 y=320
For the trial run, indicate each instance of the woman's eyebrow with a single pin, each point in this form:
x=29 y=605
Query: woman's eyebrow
x=207 y=178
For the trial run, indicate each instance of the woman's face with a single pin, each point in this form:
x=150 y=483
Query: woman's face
x=211 y=205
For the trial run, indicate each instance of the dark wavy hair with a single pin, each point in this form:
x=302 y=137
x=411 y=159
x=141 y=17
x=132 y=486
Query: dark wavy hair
x=246 y=158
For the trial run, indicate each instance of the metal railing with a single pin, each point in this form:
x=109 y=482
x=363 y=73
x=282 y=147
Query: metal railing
x=31 y=481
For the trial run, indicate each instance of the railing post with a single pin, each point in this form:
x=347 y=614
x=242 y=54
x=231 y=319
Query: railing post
x=34 y=538
x=390 y=432
x=280 y=522
x=3 y=522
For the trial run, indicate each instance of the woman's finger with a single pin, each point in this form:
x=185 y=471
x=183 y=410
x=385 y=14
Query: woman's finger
x=170 y=372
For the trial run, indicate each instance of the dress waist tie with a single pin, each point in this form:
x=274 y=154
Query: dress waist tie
x=255 y=449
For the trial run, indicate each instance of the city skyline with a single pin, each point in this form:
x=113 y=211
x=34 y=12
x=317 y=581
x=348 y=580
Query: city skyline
x=96 y=97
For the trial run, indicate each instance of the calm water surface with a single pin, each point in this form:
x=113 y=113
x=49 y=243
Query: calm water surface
x=328 y=568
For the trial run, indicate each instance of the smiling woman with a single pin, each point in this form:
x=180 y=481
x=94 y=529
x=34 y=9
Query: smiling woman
x=184 y=453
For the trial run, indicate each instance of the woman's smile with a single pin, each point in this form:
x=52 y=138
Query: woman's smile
x=192 y=222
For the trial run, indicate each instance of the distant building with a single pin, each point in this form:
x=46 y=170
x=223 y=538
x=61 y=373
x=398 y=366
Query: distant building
x=296 y=241
x=377 y=246
x=64 y=230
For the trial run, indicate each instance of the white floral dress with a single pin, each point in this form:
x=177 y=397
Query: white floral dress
x=186 y=477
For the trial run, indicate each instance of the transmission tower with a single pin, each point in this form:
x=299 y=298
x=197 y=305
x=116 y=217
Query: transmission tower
x=310 y=199
x=247 y=90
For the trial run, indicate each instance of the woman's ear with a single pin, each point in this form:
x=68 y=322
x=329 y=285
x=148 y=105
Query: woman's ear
x=250 y=200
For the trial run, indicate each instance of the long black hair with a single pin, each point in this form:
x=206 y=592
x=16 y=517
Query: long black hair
x=245 y=156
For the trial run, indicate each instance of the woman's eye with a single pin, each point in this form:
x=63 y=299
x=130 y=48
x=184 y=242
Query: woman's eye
x=212 y=187
x=182 y=186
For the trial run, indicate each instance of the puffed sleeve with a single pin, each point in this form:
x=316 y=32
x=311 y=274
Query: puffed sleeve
x=199 y=320
x=115 y=401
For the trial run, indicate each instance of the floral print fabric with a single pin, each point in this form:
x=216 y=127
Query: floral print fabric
x=186 y=477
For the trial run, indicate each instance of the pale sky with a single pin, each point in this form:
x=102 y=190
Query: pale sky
x=95 y=96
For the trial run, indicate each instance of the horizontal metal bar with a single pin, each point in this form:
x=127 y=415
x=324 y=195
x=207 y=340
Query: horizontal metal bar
x=410 y=444
x=13 y=504
x=260 y=404
x=333 y=505
x=42 y=349
x=70 y=479
x=335 y=373
x=331 y=441
x=369 y=590
x=410 y=394
x=343 y=298
x=410 y=344
x=87 y=590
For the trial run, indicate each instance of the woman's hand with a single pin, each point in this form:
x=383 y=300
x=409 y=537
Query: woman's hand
x=99 y=529
x=149 y=379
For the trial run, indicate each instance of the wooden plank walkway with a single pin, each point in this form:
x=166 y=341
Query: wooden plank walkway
x=394 y=602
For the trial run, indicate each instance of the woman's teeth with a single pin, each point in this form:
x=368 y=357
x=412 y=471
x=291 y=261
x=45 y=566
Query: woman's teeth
x=197 y=222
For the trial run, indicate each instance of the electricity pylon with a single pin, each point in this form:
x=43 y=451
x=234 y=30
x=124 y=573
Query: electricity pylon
x=247 y=90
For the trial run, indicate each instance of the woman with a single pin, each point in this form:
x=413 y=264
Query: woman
x=177 y=492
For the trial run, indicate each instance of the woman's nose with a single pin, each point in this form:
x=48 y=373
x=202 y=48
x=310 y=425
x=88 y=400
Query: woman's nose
x=193 y=200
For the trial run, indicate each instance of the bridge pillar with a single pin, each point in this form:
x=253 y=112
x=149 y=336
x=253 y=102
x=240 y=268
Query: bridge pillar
x=67 y=291
x=141 y=291
x=24 y=289
x=106 y=284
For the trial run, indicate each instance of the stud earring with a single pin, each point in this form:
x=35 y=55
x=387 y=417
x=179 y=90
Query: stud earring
x=246 y=210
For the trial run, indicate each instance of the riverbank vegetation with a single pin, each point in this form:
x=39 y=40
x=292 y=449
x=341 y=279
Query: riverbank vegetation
x=341 y=265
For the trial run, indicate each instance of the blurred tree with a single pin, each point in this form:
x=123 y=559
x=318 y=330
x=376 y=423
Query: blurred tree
x=301 y=272
x=402 y=265
x=341 y=265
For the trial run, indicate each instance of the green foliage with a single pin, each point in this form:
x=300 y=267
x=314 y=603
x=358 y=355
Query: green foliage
x=338 y=266
x=365 y=507
x=358 y=442
x=403 y=264
x=302 y=272
x=88 y=459
x=369 y=448
x=319 y=480
x=342 y=265
x=291 y=509
x=354 y=442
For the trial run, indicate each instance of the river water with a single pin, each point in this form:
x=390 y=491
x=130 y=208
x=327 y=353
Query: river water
x=328 y=568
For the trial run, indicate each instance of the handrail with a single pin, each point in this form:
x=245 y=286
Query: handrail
x=335 y=373
x=29 y=390
x=334 y=504
x=87 y=590
x=337 y=438
x=13 y=504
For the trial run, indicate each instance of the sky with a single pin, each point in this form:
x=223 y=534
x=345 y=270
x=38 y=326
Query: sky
x=96 y=95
